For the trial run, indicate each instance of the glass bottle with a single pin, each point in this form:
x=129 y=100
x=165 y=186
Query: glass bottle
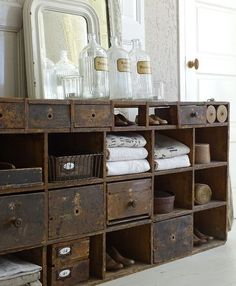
x=64 y=68
x=94 y=70
x=49 y=78
x=119 y=72
x=140 y=72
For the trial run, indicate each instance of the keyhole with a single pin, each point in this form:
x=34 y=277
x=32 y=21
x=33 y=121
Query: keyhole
x=50 y=116
x=173 y=237
x=93 y=115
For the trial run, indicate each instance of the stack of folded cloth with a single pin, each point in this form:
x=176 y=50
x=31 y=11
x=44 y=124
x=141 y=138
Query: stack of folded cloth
x=126 y=154
x=170 y=153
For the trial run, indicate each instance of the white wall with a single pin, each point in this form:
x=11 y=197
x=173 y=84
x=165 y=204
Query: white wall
x=161 y=32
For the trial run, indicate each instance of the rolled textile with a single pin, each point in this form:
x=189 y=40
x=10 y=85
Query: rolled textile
x=127 y=167
x=126 y=153
x=166 y=147
x=172 y=163
x=125 y=140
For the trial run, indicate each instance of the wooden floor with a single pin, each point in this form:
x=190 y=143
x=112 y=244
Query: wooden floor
x=216 y=267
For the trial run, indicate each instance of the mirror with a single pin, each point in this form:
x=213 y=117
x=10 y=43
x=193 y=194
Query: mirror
x=57 y=29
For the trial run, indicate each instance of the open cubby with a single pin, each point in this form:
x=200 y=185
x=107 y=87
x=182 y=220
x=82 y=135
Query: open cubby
x=168 y=113
x=217 y=138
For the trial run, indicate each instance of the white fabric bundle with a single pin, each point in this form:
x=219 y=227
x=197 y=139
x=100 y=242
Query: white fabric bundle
x=126 y=153
x=127 y=167
x=125 y=140
x=172 y=163
x=166 y=147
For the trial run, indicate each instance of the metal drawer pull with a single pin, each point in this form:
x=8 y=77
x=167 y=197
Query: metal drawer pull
x=194 y=114
x=132 y=203
x=17 y=222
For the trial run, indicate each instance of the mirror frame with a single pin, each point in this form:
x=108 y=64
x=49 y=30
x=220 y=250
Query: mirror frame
x=31 y=11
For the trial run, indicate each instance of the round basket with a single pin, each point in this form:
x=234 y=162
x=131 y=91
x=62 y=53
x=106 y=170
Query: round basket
x=202 y=194
x=163 y=202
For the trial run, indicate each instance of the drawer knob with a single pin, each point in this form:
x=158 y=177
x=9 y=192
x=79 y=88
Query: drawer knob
x=132 y=203
x=194 y=114
x=17 y=222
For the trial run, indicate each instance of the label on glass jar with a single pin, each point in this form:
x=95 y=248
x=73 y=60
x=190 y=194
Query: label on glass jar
x=144 y=67
x=100 y=64
x=123 y=65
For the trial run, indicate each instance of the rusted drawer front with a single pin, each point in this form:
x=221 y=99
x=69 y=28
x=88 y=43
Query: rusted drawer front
x=76 y=211
x=93 y=115
x=12 y=115
x=70 y=274
x=192 y=114
x=128 y=199
x=172 y=238
x=61 y=253
x=21 y=220
x=49 y=116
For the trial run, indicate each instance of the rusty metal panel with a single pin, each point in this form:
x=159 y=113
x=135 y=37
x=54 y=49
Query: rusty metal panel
x=12 y=115
x=76 y=211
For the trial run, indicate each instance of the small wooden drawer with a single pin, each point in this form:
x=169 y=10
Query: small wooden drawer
x=192 y=114
x=92 y=115
x=12 y=115
x=48 y=116
x=76 y=211
x=61 y=253
x=21 y=220
x=173 y=238
x=126 y=200
x=70 y=274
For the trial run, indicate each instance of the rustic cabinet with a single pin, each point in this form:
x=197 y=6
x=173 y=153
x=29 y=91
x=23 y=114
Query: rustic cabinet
x=65 y=224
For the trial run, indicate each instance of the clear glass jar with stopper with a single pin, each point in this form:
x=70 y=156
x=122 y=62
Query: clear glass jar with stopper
x=140 y=72
x=119 y=71
x=94 y=70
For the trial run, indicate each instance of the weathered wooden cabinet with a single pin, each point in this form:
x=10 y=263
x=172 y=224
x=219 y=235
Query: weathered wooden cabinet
x=65 y=225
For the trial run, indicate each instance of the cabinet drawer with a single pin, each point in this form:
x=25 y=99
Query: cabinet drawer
x=21 y=220
x=173 y=238
x=192 y=114
x=76 y=211
x=49 y=116
x=12 y=115
x=61 y=253
x=128 y=199
x=93 y=115
x=70 y=274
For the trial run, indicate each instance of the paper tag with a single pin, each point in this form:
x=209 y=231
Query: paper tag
x=123 y=65
x=69 y=166
x=64 y=251
x=144 y=67
x=100 y=64
x=64 y=273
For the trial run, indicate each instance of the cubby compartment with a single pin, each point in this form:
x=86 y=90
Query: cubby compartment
x=212 y=224
x=172 y=238
x=216 y=179
x=75 y=261
x=76 y=211
x=75 y=156
x=129 y=153
x=134 y=243
x=173 y=149
x=165 y=114
x=21 y=166
x=217 y=138
x=27 y=266
x=179 y=185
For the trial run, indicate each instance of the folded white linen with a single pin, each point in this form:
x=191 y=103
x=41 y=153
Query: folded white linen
x=125 y=140
x=166 y=147
x=172 y=163
x=126 y=153
x=127 y=167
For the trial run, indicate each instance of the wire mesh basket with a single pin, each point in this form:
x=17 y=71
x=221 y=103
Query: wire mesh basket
x=75 y=167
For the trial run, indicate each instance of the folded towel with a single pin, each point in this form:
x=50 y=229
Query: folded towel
x=126 y=153
x=125 y=140
x=172 y=163
x=127 y=167
x=166 y=147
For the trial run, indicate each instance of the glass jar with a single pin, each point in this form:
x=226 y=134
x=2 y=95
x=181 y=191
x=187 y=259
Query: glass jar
x=94 y=70
x=119 y=72
x=49 y=78
x=64 y=67
x=140 y=72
